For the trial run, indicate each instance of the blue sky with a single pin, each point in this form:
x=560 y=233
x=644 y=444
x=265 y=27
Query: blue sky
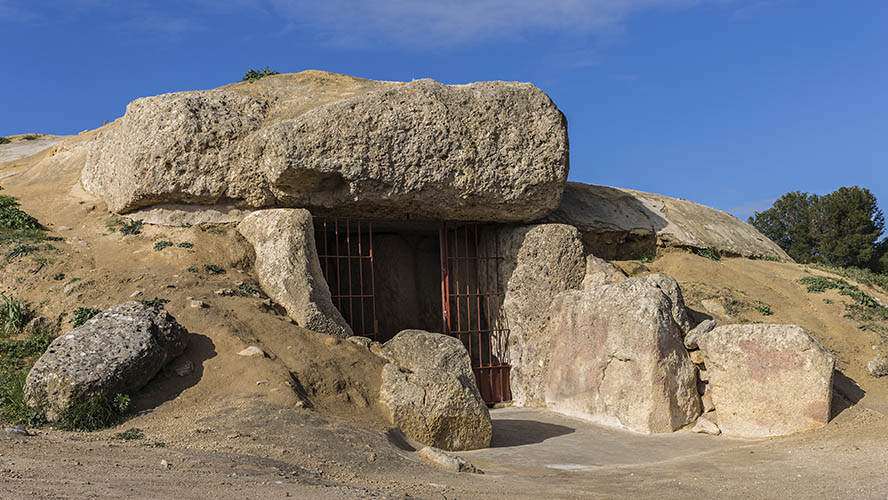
x=729 y=103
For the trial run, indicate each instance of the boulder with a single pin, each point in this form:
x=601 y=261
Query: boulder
x=288 y=269
x=451 y=463
x=617 y=223
x=539 y=262
x=430 y=394
x=616 y=357
x=767 y=380
x=705 y=425
x=489 y=151
x=116 y=352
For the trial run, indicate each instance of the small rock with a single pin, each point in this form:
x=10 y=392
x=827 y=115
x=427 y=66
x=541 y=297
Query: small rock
x=706 y=426
x=252 y=351
x=703 y=375
x=706 y=399
x=696 y=357
x=878 y=366
x=135 y=294
x=361 y=341
x=18 y=429
x=222 y=291
x=371 y=458
x=452 y=463
x=199 y=304
x=714 y=307
x=690 y=340
x=89 y=208
x=165 y=465
x=64 y=228
x=184 y=368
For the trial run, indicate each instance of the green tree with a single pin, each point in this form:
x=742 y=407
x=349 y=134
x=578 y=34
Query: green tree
x=788 y=223
x=846 y=225
x=841 y=228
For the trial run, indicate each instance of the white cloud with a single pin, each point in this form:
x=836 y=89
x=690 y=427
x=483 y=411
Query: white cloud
x=10 y=13
x=449 y=22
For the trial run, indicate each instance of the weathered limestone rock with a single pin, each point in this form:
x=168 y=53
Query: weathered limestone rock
x=878 y=366
x=616 y=357
x=482 y=151
x=703 y=328
x=540 y=262
x=116 y=352
x=452 y=463
x=600 y=272
x=705 y=425
x=615 y=221
x=767 y=380
x=431 y=393
x=288 y=269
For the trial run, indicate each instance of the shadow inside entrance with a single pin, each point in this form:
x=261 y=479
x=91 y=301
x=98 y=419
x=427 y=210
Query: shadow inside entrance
x=508 y=433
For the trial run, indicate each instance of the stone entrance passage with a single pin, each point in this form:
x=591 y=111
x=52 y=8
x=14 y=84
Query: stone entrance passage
x=385 y=277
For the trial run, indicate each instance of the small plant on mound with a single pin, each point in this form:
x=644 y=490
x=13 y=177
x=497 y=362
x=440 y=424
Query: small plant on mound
x=186 y=244
x=160 y=245
x=97 y=412
x=129 y=435
x=5 y=140
x=254 y=75
x=709 y=253
x=30 y=137
x=764 y=310
x=155 y=302
x=14 y=314
x=82 y=315
x=132 y=227
x=214 y=269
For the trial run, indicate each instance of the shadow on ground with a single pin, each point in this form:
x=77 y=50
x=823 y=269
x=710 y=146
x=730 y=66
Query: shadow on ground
x=166 y=385
x=846 y=393
x=508 y=433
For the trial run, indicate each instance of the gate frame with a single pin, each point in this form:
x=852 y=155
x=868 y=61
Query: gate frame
x=492 y=376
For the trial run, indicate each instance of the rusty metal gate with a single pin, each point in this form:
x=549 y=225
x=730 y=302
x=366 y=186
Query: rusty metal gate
x=472 y=298
x=345 y=251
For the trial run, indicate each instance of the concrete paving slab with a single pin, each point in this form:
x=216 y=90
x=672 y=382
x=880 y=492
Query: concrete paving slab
x=538 y=438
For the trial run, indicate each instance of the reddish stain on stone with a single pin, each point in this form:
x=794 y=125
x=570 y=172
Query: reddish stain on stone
x=763 y=363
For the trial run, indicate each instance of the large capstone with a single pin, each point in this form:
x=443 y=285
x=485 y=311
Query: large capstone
x=430 y=392
x=288 y=268
x=616 y=356
x=623 y=223
x=489 y=151
x=767 y=380
x=116 y=352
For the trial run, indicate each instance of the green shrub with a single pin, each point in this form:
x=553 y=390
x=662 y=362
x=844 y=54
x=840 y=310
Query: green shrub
x=58 y=276
x=160 y=245
x=94 y=413
x=83 y=314
x=186 y=244
x=5 y=140
x=254 y=75
x=30 y=137
x=16 y=359
x=14 y=314
x=12 y=217
x=764 y=310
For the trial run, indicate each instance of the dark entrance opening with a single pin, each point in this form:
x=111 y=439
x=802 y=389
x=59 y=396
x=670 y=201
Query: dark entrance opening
x=385 y=277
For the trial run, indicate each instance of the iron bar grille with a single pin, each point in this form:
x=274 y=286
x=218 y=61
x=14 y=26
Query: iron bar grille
x=345 y=251
x=472 y=300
